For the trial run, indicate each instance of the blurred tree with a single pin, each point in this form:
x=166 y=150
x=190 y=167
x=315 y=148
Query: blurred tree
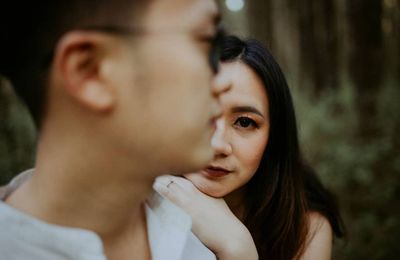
x=260 y=19
x=366 y=63
x=318 y=42
x=17 y=134
x=303 y=34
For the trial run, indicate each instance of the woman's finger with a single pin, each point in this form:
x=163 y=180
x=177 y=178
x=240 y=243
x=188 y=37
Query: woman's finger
x=171 y=188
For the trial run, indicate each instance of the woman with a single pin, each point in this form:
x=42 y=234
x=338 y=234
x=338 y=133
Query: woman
x=258 y=175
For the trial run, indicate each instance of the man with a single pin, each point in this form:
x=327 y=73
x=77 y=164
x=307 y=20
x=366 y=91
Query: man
x=120 y=91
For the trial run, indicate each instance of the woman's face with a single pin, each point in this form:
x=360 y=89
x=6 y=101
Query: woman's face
x=241 y=133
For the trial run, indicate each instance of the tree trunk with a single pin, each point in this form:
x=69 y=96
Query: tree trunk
x=366 y=64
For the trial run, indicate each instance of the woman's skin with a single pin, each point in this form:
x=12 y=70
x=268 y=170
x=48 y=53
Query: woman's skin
x=241 y=133
x=239 y=141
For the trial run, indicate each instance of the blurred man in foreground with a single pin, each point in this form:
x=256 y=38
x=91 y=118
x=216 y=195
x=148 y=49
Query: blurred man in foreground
x=120 y=91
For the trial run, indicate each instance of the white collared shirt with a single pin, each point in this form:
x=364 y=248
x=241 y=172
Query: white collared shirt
x=24 y=237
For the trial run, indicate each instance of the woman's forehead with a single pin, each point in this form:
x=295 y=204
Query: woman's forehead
x=246 y=88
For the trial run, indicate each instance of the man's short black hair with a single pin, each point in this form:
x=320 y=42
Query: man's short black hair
x=30 y=30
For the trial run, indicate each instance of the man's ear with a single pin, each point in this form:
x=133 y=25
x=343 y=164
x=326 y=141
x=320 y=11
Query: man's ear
x=79 y=63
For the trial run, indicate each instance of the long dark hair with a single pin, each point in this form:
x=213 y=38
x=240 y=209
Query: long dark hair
x=281 y=193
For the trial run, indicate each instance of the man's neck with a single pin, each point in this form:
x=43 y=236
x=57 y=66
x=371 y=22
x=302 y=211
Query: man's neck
x=78 y=185
x=132 y=241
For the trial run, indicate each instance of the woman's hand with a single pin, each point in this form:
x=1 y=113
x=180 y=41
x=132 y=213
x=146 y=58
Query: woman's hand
x=213 y=222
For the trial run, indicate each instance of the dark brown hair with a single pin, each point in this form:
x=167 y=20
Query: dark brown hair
x=30 y=30
x=283 y=190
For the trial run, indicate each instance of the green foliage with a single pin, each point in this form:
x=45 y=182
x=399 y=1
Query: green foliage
x=17 y=135
x=362 y=170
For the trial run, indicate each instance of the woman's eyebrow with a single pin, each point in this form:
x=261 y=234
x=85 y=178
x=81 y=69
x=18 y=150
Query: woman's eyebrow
x=247 y=109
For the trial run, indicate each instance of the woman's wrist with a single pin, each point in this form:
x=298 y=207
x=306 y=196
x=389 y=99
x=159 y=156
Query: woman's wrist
x=239 y=246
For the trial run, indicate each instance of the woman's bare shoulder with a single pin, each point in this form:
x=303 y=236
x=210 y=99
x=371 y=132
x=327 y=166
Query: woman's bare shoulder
x=319 y=238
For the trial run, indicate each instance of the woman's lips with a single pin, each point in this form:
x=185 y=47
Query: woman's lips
x=216 y=172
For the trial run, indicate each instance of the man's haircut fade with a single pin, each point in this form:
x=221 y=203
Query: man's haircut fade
x=30 y=30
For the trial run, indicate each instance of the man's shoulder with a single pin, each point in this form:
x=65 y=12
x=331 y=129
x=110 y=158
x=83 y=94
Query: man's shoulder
x=7 y=189
x=24 y=237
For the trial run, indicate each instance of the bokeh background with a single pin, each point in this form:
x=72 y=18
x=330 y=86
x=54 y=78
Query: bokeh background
x=342 y=61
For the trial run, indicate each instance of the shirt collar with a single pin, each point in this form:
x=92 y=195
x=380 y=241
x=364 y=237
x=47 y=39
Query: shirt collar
x=168 y=225
x=168 y=228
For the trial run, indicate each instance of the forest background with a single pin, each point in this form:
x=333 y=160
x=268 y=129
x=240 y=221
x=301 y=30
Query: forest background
x=342 y=61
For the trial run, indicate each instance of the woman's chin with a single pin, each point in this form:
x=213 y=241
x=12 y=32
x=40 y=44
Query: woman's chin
x=214 y=193
x=206 y=186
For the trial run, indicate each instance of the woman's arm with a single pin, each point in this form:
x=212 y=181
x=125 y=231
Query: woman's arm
x=319 y=238
x=213 y=222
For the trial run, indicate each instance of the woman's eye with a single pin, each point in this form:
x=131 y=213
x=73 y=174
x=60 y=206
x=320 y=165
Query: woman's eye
x=245 y=122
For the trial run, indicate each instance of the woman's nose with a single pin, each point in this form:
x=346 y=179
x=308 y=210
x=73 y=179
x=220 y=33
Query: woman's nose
x=219 y=140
